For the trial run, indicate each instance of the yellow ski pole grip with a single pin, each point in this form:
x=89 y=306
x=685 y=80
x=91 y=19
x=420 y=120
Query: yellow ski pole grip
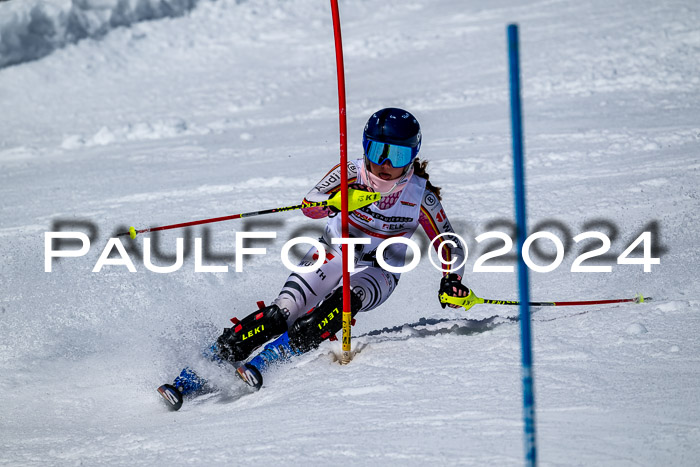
x=356 y=199
x=466 y=302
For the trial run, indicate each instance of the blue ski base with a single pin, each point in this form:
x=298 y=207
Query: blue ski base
x=189 y=383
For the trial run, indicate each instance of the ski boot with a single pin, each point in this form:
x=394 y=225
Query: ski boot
x=277 y=351
x=306 y=334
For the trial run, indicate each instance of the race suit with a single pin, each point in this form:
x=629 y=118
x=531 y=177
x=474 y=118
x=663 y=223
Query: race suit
x=397 y=215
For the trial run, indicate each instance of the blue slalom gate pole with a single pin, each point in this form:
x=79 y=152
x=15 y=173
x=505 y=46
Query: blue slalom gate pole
x=523 y=278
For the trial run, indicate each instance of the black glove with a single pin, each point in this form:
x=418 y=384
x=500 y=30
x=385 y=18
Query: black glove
x=451 y=284
x=333 y=209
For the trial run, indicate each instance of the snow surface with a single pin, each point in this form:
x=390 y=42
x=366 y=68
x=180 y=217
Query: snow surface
x=232 y=107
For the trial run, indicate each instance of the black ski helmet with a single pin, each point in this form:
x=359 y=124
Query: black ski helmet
x=393 y=126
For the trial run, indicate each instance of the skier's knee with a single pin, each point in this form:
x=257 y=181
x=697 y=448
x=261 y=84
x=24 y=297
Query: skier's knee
x=322 y=322
x=238 y=342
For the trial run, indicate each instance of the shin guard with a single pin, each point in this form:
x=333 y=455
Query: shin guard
x=322 y=322
x=237 y=343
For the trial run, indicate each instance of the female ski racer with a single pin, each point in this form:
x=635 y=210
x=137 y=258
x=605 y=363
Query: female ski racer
x=305 y=313
x=391 y=142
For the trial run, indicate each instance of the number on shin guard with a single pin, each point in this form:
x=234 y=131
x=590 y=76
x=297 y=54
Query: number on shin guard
x=237 y=343
x=322 y=322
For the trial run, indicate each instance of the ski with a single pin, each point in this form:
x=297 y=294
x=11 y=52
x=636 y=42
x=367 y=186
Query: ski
x=250 y=375
x=171 y=395
x=189 y=384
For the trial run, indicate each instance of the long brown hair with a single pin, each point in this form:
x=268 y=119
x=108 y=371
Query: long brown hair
x=419 y=167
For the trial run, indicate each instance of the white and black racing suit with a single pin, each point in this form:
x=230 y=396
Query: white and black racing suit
x=398 y=214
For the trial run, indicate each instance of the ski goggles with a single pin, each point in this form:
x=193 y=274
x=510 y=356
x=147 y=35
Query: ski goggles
x=398 y=156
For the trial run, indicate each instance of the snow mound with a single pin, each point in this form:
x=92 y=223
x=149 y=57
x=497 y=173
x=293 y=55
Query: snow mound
x=672 y=306
x=32 y=29
x=160 y=129
x=636 y=329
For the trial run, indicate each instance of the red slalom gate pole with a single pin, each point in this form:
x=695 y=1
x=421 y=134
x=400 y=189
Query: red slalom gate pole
x=347 y=315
